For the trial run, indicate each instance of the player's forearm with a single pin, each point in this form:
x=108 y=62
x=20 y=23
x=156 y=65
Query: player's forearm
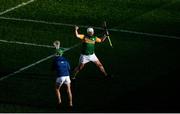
x=80 y=36
x=103 y=38
x=76 y=33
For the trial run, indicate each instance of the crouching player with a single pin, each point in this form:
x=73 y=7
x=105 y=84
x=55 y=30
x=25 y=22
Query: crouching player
x=62 y=67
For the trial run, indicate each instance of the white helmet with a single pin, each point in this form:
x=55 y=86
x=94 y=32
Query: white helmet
x=90 y=30
x=56 y=44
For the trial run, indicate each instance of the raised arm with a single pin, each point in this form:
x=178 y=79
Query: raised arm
x=81 y=36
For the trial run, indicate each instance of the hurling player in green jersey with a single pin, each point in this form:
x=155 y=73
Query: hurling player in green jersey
x=59 y=50
x=88 y=50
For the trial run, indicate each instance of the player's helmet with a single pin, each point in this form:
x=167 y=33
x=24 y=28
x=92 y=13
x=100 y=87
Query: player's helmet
x=56 y=44
x=90 y=30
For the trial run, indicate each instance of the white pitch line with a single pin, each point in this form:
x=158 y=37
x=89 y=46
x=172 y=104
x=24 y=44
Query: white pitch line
x=26 y=67
x=33 y=64
x=25 y=43
x=18 y=6
x=100 y=28
x=147 y=34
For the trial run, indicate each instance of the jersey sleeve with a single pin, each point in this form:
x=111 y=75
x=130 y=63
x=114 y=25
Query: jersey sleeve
x=98 y=39
x=69 y=68
x=81 y=36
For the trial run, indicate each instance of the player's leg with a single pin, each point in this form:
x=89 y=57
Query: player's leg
x=58 y=94
x=68 y=84
x=69 y=94
x=78 y=68
x=59 y=82
x=98 y=64
x=82 y=61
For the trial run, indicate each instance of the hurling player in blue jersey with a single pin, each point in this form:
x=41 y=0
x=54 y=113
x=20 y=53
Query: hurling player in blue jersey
x=62 y=67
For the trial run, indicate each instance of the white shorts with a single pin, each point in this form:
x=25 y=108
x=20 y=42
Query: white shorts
x=87 y=58
x=63 y=80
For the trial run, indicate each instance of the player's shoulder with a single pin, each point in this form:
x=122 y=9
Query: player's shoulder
x=81 y=36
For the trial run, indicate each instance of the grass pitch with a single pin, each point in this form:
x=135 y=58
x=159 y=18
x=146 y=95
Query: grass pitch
x=145 y=67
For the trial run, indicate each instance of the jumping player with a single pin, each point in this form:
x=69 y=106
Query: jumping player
x=88 y=50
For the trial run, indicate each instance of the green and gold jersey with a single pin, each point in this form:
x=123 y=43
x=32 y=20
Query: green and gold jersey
x=88 y=46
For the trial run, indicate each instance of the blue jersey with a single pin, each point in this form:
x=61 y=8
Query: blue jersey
x=62 y=66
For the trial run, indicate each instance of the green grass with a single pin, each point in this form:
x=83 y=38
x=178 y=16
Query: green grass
x=6 y=4
x=138 y=15
x=143 y=66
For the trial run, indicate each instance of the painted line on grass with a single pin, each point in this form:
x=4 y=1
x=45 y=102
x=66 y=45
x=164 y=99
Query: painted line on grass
x=26 y=67
x=147 y=34
x=83 y=26
x=36 y=63
x=25 y=43
x=16 y=7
